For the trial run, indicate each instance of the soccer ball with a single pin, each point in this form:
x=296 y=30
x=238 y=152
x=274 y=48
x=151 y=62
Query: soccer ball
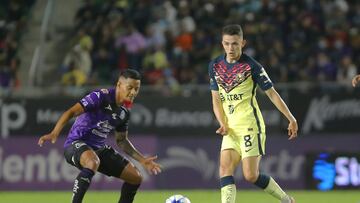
x=177 y=199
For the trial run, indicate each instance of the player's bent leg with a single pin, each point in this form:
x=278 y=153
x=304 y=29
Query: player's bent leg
x=80 y=155
x=267 y=183
x=229 y=159
x=276 y=191
x=114 y=164
x=131 y=174
x=89 y=162
x=133 y=179
x=250 y=167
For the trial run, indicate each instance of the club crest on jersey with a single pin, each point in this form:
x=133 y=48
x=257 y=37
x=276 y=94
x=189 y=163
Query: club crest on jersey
x=240 y=77
x=122 y=115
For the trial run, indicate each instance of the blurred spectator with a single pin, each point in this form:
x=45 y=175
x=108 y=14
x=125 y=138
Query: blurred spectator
x=295 y=40
x=183 y=46
x=327 y=69
x=74 y=76
x=154 y=64
x=104 y=65
x=347 y=71
x=9 y=73
x=6 y=76
x=80 y=55
x=86 y=14
x=12 y=22
x=134 y=43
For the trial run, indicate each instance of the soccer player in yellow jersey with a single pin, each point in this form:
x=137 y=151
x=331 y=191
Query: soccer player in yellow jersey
x=234 y=78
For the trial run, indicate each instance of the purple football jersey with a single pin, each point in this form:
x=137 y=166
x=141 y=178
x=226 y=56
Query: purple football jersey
x=101 y=117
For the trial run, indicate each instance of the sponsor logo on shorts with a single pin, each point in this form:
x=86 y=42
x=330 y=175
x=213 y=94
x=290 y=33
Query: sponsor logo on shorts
x=79 y=144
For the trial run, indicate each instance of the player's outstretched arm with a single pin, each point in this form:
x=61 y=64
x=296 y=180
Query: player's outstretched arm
x=355 y=81
x=147 y=162
x=282 y=107
x=74 y=111
x=151 y=166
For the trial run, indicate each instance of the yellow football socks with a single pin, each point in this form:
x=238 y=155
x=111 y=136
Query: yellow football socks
x=275 y=190
x=228 y=193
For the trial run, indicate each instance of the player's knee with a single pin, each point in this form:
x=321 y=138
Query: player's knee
x=93 y=163
x=250 y=177
x=225 y=170
x=137 y=179
x=222 y=171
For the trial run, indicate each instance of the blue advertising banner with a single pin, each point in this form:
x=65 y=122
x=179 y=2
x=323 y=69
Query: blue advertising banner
x=195 y=159
x=333 y=170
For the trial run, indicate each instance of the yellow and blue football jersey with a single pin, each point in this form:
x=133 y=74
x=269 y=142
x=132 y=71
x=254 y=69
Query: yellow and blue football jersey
x=237 y=83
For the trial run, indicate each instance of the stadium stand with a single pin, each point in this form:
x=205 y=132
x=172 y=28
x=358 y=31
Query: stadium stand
x=13 y=21
x=171 y=42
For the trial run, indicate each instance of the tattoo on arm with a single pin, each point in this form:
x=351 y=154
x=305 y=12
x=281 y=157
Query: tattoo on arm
x=124 y=143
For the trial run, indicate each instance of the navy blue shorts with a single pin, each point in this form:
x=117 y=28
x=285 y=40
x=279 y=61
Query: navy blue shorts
x=111 y=162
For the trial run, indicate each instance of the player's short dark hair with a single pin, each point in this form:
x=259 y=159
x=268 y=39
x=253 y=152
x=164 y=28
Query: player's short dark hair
x=130 y=73
x=233 y=29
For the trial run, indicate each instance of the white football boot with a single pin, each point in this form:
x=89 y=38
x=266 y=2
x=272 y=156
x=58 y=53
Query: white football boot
x=288 y=199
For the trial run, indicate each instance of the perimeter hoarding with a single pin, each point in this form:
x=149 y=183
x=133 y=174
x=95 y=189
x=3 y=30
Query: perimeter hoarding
x=188 y=162
x=316 y=112
x=26 y=166
x=150 y=114
x=324 y=113
x=333 y=170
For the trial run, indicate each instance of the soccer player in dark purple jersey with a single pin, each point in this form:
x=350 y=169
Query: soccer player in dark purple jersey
x=98 y=114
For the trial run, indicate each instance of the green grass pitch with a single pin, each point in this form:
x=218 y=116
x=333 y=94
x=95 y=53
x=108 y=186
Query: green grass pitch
x=196 y=196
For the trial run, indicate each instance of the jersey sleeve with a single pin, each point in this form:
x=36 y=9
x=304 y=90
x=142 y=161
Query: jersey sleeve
x=123 y=127
x=213 y=83
x=260 y=76
x=93 y=100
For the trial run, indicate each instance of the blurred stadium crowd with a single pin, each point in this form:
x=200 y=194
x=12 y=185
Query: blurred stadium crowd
x=12 y=22
x=171 y=42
